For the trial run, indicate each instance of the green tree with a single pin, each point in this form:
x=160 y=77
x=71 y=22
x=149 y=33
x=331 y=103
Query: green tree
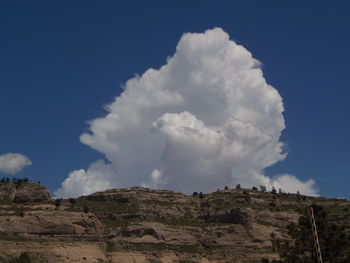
x=86 y=209
x=23 y=258
x=72 y=201
x=58 y=202
x=333 y=240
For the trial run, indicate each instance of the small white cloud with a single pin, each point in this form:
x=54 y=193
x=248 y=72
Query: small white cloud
x=291 y=184
x=83 y=182
x=11 y=163
x=205 y=119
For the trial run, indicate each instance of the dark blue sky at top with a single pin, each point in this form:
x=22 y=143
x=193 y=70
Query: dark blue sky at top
x=62 y=61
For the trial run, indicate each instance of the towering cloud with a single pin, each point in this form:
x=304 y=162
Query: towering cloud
x=205 y=119
x=11 y=163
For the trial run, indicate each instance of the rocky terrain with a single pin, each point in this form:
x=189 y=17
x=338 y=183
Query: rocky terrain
x=140 y=225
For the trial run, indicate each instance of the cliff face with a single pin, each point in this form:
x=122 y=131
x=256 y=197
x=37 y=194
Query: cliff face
x=143 y=225
x=23 y=192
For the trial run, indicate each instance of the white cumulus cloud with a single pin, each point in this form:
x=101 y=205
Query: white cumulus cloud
x=82 y=182
x=11 y=163
x=205 y=119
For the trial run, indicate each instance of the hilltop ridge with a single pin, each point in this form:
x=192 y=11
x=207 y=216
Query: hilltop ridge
x=144 y=225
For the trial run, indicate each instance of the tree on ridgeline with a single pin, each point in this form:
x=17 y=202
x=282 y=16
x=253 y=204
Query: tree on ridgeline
x=273 y=190
x=201 y=195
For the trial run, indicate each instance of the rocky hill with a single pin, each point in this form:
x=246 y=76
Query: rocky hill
x=152 y=226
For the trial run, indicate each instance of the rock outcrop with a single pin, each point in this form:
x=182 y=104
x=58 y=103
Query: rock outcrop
x=50 y=223
x=24 y=192
x=150 y=226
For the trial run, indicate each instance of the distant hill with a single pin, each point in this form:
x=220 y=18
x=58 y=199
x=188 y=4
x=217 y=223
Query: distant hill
x=143 y=225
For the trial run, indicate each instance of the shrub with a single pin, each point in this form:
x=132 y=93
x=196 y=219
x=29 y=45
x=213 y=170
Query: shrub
x=21 y=213
x=58 y=202
x=72 y=201
x=22 y=258
x=273 y=190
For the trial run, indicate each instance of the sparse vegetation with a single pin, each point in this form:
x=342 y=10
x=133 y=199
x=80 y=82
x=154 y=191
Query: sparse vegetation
x=273 y=190
x=12 y=236
x=186 y=261
x=24 y=257
x=158 y=247
x=86 y=209
x=136 y=213
x=15 y=180
x=58 y=202
x=201 y=195
x=72 y=201
x=334 y=241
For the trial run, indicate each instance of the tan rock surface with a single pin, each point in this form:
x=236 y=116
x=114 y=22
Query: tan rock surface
x=153 y=226
x=51 y=223
x=60 y=252
x=25 y=192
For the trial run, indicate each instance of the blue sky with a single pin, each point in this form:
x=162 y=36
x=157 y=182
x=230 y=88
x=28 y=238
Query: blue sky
x=62 y=61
